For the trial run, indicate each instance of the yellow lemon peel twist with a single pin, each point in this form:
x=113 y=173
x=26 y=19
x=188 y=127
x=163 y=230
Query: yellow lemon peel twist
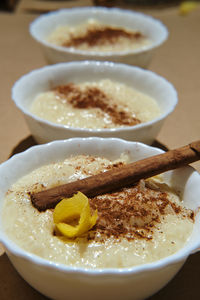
x=72 y=208
x=187 y=6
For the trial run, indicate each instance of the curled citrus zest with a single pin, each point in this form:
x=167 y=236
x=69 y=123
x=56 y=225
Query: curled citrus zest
x=70 y=209
x=187 y=6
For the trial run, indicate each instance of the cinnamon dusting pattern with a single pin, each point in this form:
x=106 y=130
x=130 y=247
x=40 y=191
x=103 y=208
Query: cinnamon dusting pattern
x=134 y=212
x=95 y=105
x=100 y=36
x=95 y=36
x=93 y=97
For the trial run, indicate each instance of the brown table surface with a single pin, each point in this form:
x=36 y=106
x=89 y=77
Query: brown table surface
x=178 y=60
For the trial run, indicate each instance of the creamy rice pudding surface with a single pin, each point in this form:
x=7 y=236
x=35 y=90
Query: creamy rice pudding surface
x=97 y=37
x=136 y=225
x=101 y=104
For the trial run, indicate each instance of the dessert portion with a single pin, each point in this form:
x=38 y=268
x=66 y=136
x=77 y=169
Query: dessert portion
x=98 y=37
x=95 y=105
x=134 y=225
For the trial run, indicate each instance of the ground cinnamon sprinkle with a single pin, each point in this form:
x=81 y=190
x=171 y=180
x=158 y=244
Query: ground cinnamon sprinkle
x=132 y=213
x=93 y=97
x=101 y=36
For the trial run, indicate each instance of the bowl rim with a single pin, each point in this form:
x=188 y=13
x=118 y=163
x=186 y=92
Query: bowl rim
x=178 y=257
x=94 y=64
x=99 y=54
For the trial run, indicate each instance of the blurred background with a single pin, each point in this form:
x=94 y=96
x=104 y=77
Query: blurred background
x=42 y=6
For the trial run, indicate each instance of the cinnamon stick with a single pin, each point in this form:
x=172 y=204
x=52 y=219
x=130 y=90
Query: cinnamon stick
x=117 y=178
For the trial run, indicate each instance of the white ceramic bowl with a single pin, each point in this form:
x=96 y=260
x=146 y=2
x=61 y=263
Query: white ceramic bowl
x=45 y=24
x=58 y=281
x=44 y=79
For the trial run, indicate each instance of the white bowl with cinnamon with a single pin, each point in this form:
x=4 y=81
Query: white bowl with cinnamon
x=98 y=33
x=154 y=221
x=92 y=98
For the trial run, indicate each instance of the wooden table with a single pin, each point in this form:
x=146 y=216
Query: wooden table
x=178 y=60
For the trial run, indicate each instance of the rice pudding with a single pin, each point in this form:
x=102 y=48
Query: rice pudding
x=97 y=37
x=135 y=225
x=95 y=105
